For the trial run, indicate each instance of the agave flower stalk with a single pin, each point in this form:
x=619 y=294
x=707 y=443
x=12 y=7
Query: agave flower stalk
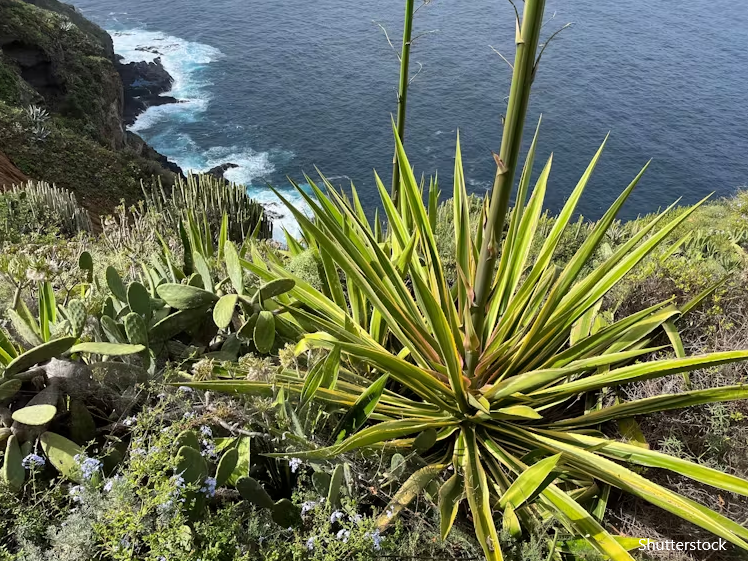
x=402 y=90
x=528 y=37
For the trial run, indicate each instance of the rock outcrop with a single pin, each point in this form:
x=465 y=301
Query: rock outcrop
x=144 y=83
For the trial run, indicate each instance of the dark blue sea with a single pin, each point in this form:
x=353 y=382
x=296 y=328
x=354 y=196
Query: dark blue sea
x=279 y=87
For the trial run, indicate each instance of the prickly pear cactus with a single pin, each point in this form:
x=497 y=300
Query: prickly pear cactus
x=333 y=494
x=251 y=490
x=136 y=329
x=139 y=300
x=226 y=466
x=86 y=264
x=185 y=297
x=286 y=514
x=191 y=465
x=13 y=473
x=76 y=315
x=264 y=332
x=187 y=438
x=61 y=453
x=115 y=284
x=39 y=354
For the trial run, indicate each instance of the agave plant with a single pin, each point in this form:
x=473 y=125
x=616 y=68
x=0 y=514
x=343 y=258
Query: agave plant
x=503 y=380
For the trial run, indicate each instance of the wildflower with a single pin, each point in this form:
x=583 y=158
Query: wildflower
x=307 y=506
x=209 y=449
x=76 y=493
x=357 y=519
x=184 y=389
x=206 y=431
x=336 y=516
x=310 y=543
x=129 y=421
x=110 y=483
x=189 y=414
x=88 y=466
x=376 y=539
x=390 y=512
x=210 y=487
x=343 y=535
x=295 y=464
x=138 y=452
x=33 y=461
x=178 y=481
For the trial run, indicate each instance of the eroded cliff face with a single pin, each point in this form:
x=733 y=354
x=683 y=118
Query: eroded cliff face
x=70 y=68
x=62 y=103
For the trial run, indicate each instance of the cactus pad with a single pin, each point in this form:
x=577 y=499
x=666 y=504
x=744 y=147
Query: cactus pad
x=264 y=332
x=286 y=514
x=61 y=453
x=76 y=314
x=39 y=354
x=187 y=438
x=112 y=330
x=139 y=300
x=35 y=415
x=13 y=473
x=276 y=288
x=136 y=329
x=85 y=263
x=226 y=466
x=234 y=267
x=185 y=297
x=191 y=465
x=251 y=490
x=114 y=282
x=9 y=389
x=333 y=495
x=223 y=311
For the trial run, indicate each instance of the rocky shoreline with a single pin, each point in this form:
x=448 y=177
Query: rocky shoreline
x=143 y=83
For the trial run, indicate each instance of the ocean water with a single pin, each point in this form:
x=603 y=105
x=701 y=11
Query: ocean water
x=281 y=87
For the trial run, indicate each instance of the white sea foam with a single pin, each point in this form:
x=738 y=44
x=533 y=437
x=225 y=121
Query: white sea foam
x=186 y=61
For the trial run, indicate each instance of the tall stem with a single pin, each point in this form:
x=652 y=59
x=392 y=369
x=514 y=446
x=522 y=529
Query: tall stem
x=402 y=94
x=528 y=36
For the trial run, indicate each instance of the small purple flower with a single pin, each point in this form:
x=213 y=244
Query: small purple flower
x=138 y=452
x=343 y=535
x=210 y=487
x=76 y=493
x=336 y=516
x=130 y=421
x=33 y=461
x=310 y=543
x=307 y=506
x=295 y=464
x=88 y=466
x=185 y=389
x=206 y=431
x=376 y=539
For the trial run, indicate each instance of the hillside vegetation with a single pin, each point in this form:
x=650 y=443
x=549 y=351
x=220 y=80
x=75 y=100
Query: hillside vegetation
x=61 y=102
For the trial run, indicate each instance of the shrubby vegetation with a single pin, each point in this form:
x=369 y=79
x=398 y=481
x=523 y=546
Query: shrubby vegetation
x=467 y=380
x=130 y=407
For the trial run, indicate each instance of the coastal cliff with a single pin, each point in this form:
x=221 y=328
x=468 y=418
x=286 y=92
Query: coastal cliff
x=64 y=109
